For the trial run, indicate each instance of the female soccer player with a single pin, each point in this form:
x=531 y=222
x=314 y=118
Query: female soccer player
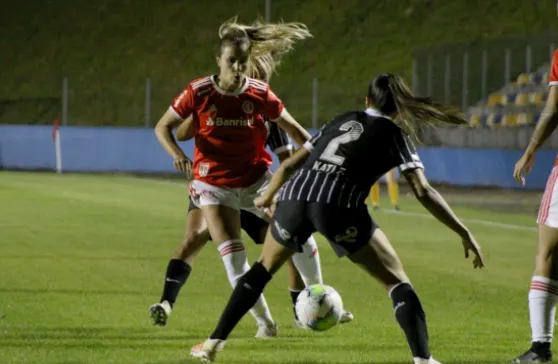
x=543 y=294
x=231 y=163
x=327 y=193
x=393 y=191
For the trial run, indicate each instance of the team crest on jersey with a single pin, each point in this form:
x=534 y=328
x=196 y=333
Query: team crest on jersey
x=248 y=107
x=203 y=170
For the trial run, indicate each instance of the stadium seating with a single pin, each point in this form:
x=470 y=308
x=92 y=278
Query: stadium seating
x=516 y=104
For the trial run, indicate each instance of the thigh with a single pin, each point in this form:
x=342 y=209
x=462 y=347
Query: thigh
x=248 y=194
x=379 y=260
x=223 y=222
x=290 y=226
x=254 y=226
x=346 y=229
x=204 y=194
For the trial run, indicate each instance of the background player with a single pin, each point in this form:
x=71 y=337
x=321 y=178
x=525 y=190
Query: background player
x=231 y=162
x=327 y=193
x=543 y=294
x=393 y=191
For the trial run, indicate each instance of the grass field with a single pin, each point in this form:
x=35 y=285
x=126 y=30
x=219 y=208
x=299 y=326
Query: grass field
x=82 y=258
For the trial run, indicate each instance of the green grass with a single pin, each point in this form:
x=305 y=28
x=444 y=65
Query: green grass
x=82 y=257
x=107 y=48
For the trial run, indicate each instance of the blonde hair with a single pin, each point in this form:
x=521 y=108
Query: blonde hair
x=268 y=43
x=390 y=94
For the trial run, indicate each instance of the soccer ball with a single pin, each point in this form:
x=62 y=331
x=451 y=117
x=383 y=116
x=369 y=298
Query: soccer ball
x=319 y=307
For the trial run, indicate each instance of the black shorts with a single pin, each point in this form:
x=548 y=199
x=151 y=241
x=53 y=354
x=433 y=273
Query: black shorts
x=250 y=223
x=346 y=229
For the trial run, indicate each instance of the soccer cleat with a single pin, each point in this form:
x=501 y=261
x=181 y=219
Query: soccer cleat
x=207 y=351
x=267 y=331
x=160 y=313
x=375 y=207
x=396 y=208
x=533 y=357
x=346 y=317
x=426 y=361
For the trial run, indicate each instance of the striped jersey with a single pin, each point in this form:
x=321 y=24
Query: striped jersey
x=347 y=156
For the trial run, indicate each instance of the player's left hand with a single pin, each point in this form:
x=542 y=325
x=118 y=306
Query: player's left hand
x=523 y=167
x=264 y=201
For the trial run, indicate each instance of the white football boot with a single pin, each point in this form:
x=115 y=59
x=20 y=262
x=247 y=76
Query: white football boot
x=207 y=351
x=160 y=313
x=346 y=317
x=426 y=361
x=267 y=331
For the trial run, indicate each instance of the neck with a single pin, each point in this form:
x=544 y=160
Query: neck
x=227 y=86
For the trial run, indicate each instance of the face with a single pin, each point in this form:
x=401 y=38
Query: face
x=233 y=65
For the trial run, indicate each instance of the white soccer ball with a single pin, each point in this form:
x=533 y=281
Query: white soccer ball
x=319 y=307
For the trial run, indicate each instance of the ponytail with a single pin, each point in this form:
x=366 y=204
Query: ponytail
x=390 y=95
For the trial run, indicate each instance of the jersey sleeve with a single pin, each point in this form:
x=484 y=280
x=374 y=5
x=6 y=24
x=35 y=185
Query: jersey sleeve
x=553 y=79
x=405 y=153
x=278 y=140
x=273 y=106
x=183 y=104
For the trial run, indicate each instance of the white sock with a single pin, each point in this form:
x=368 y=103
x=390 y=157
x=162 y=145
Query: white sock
x=542 y=308
x=236 y=263
x=307 y=263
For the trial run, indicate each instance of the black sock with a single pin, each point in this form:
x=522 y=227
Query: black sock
x=177 y=274
x=294 y=297
x=247 y=291
x=411 y=318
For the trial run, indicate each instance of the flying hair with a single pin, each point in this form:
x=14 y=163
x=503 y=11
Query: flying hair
x=268 y=43
x=390 y=95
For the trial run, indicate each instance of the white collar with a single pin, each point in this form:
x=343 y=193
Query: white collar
x=213 y=79
x=376 y=113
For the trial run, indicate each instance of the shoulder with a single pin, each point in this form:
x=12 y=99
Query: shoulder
x=257 y=86
x=199 y=84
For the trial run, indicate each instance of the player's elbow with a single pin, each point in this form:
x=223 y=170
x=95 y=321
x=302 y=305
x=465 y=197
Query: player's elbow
x=419 y=184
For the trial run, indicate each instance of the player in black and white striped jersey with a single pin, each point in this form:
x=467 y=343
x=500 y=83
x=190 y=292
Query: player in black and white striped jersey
x=304 y=269
x=331 y=177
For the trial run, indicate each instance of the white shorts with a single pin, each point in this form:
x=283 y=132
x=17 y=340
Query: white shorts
x=204 y=194
x=548 y=211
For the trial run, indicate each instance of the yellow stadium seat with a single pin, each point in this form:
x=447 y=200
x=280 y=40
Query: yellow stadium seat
x=521 y=99
x=509 y=120
x=536 y=98
x=524 y=119
x=494 y=120
x=494 y=99
x=523 y=79
x=474 y=120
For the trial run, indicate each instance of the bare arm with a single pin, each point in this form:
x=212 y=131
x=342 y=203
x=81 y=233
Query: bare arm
x=293 y=128
x=163 y=131
x=186 y=129
x=547 y=122
x=434 y=202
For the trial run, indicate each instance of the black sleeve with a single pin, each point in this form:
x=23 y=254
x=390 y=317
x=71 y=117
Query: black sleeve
x=278 y=140
x=310 y=144
x=405 y=153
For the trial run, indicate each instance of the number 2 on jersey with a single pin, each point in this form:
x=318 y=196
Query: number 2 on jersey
x=353 y=130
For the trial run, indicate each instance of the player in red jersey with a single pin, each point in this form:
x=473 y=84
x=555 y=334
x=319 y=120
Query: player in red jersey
x=543 y=294
x=230 y=164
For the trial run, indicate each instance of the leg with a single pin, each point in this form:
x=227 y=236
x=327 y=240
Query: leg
x=375 y=195
x=543 y=297
x=379 y=259
x=544 y=284
x=179 y=267
x=245 y=294
x=393 y=189
x=225 y=230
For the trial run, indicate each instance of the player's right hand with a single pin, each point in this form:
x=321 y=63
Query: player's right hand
x=263 y=201
x=470 y=244
x=523 y=167
x=183 y=165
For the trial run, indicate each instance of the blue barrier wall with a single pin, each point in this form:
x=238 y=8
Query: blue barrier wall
x=102 y=149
